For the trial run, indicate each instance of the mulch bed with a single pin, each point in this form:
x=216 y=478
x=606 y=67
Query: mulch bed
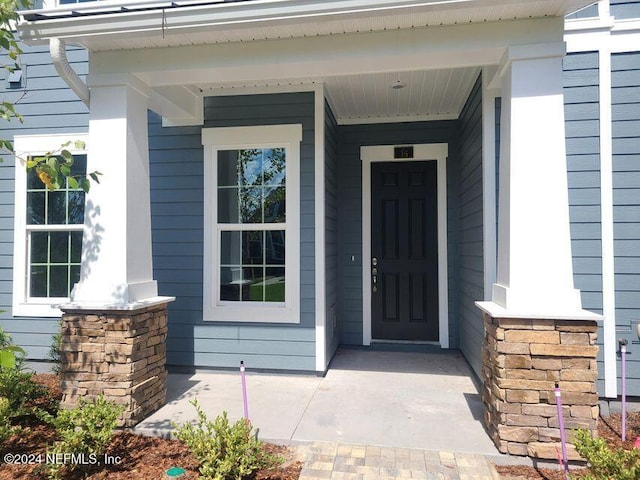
x=150 y=457
x=141 y=458
x=609 y=428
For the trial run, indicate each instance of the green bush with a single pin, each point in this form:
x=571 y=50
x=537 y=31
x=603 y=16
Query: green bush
x=54 y=350
x=11 y=356
x=85 y=431
x=606 y=463
x=17 y=386
x=6 y=428
x=21 y=391
x=225 y=451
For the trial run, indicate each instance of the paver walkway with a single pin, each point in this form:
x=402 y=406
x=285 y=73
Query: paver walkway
x=338 y=461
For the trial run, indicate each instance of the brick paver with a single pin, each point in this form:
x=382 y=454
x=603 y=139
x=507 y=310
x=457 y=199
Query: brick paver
x=337 y=461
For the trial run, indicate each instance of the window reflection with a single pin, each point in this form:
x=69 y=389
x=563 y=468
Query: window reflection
x=252 y=266
x=54 y=255
x=251 y=190
x=54 y=263
x=251 y=186
x=65 y=206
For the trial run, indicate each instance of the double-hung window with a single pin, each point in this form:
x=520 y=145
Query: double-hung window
x=48 y=231
x=251 y=270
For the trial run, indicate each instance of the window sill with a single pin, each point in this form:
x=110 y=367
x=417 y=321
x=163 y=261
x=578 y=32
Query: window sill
x=47 y=310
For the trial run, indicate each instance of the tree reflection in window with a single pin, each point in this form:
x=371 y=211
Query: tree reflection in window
x=251 y=190
x=251 y=186
x=54 y=221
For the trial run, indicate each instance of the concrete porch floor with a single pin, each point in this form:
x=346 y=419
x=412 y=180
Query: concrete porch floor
x=414 y=400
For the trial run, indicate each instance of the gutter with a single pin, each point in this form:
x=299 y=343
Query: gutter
x=58 y=49
x=101 y=19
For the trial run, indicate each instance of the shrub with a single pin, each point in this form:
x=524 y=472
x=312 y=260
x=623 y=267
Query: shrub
x=6 y=428
x=17 y=387
x=21 y=391
x=85 y=431
x=225 y=451
x=11 y=356
x=54 y=350
x=606 y=463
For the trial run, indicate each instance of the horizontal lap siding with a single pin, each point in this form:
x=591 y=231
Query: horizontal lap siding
x=622 y=9
x=581 y=100
x=48 y=106
x=177 y=189
x=470 y=241
x=350 y=139
x=625 y=99
x=332 y=330
x=587 y=12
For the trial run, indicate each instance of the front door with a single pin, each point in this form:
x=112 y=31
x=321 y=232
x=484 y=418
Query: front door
x=404 y=251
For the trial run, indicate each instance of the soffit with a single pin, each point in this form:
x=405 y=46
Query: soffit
x=438 y=94
x=113 y=25
x=428 y=94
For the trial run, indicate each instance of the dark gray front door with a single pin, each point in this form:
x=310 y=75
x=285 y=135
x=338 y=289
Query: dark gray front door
x=404 y=248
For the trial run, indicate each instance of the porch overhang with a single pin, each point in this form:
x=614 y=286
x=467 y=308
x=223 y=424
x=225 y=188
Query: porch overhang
x=185 y=50
x=117 y=25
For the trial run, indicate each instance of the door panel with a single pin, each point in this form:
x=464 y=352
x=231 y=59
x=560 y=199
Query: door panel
x=404 y=242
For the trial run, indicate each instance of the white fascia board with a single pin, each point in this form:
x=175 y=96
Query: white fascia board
x=588 y=24
x=580 y=41
x=529 y=52
x=107 y=18
x=320 y=57
x=627 y=25
x=297 y=8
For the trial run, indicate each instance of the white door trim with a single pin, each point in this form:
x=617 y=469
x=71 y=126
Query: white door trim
x=384 y=153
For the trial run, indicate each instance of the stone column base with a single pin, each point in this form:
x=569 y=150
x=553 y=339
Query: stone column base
x=522 y=361
x=119 y=354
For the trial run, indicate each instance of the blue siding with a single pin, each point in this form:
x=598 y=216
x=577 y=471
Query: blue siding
x=48 y=106
x=583 y=170
x=350 y=139
x=625 y=8
x=176 y=158
x=625 y=98
x=470 y=246
x=583 y=165
x=332 y=330
x=587 y=12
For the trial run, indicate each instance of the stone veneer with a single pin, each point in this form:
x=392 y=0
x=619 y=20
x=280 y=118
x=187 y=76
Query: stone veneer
x=119 y=354
x=522 y=360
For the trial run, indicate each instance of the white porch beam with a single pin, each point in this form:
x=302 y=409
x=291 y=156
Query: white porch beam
x=535 y=273
x=248 y=63
x=116 y=266
x=179 y=105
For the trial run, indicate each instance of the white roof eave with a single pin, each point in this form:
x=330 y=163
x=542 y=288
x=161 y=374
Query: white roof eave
x=93 y=22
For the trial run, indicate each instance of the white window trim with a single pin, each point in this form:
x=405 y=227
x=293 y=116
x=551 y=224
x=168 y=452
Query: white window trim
x=230 y=138
x=24 y=146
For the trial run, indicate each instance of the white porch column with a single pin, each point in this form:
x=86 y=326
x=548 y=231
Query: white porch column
x=535 y=323
x=116 y=257
x=535 y=274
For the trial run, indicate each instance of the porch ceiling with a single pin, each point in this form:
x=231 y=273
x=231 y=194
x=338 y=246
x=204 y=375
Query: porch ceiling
x=424 y=95
x=358 y=49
